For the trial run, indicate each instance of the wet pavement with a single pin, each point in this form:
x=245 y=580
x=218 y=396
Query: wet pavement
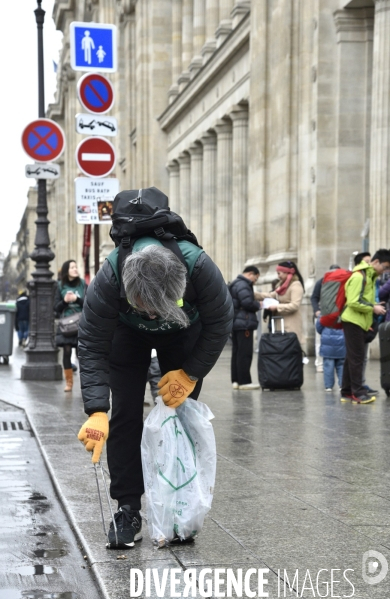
x=40 y=558
x=303 y=484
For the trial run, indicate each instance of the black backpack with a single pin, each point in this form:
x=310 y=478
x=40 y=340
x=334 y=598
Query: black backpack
x=145 y=212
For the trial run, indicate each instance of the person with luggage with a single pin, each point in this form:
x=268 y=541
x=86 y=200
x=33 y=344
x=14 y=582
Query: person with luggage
x=68 y=300
x=289 y=294
x=357 y=318
x=22 y=318
x=176 y=302
x=315 y=302
x=332 y=350
x=244 y=323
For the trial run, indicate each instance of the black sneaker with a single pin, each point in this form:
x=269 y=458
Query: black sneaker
x=128 y=527
x=370 y=391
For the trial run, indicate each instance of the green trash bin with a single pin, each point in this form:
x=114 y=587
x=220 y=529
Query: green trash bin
x=7 y=324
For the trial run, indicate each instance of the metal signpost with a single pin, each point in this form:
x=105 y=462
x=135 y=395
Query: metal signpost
x=41 y=353
x=93 y=47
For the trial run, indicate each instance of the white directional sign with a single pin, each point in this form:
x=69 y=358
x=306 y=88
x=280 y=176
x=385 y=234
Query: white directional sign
x=94 y=198
x=42 y=171
x=96 y=125
x=93 y=47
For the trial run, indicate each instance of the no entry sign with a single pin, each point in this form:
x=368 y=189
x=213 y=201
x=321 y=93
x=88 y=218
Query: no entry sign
x=95 y=156
x=43 y=140
x=95 y=93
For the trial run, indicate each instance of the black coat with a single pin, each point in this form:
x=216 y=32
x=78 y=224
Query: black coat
x=245 y=305
x=22 y=308
x=100 y=319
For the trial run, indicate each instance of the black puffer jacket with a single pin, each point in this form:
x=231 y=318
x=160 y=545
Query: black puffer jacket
x=245 y=305
x=100 y=319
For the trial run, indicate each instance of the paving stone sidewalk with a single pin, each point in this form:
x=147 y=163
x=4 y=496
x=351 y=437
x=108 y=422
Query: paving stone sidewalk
x=303 y=483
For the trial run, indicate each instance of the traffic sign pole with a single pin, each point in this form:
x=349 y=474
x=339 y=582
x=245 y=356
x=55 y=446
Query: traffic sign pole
x=41 y=354
x=96 y=244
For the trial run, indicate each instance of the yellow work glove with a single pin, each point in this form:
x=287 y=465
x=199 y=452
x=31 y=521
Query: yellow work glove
x=94 y=434
x=175 y=387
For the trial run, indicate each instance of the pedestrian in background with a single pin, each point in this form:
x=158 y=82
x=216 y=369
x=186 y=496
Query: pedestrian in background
x=315 y=302
x=357 y=319
x=22 y=318
x=289 y=294
x=69 y=300
x=370 y=336
x=332 y=350
x=244 y=323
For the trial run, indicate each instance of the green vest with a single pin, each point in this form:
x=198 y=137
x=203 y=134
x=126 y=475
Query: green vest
x=79 y=291
x=132 y=319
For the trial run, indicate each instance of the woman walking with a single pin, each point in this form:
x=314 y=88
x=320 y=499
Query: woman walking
x=289 y=294
x=69 y=300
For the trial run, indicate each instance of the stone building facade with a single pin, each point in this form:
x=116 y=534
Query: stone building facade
x=266 y=121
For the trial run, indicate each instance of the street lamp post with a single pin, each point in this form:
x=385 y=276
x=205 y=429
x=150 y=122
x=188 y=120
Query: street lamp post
x=41 y=363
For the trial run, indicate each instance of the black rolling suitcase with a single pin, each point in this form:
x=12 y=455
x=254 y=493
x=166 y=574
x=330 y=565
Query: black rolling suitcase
x=384 y=346
x=280 y=360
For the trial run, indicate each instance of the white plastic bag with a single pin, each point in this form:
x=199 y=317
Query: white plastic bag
x=179 y=463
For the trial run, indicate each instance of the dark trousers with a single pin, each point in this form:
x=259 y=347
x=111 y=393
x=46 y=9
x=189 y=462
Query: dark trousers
x=153 y=377
x=129 y=364
x=353 y=366
x=242 y=353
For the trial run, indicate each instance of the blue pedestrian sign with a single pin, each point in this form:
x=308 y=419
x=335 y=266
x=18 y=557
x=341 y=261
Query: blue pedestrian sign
x=93 y=47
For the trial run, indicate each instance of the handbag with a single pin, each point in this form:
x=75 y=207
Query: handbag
x=69 y=325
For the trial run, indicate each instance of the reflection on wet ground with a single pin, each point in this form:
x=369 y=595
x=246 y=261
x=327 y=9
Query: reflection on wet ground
x=40 y=557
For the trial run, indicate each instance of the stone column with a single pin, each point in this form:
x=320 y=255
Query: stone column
x=185 y=185
x=195 y=223
x=224 y=231
x=174 y=185
x=212 y=21
x=239 y=116
x=380 y=129
x=354 y=28
x=209 y=141
x=199 y=36
x=225 y=21
x=177 y=17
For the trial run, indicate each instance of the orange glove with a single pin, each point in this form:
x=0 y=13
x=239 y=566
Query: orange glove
x=94 y=434
x=175 y=387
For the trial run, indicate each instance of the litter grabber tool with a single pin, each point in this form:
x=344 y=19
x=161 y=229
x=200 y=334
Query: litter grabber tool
x=97 y=467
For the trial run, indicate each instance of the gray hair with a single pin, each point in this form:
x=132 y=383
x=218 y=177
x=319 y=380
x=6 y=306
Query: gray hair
x=154 y=279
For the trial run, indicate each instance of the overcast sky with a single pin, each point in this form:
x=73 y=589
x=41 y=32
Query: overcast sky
x=19 y=101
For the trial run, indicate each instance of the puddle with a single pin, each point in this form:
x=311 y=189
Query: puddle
x=36 y=570
x=42 y=531
x=37 y=497
x=49 y=553
x=36 y=594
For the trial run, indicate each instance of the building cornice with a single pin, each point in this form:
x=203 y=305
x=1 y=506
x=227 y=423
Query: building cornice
x=207 y=74
x=60 y=12
x=354 y=25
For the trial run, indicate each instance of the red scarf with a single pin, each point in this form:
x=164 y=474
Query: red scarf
x=290 y=273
